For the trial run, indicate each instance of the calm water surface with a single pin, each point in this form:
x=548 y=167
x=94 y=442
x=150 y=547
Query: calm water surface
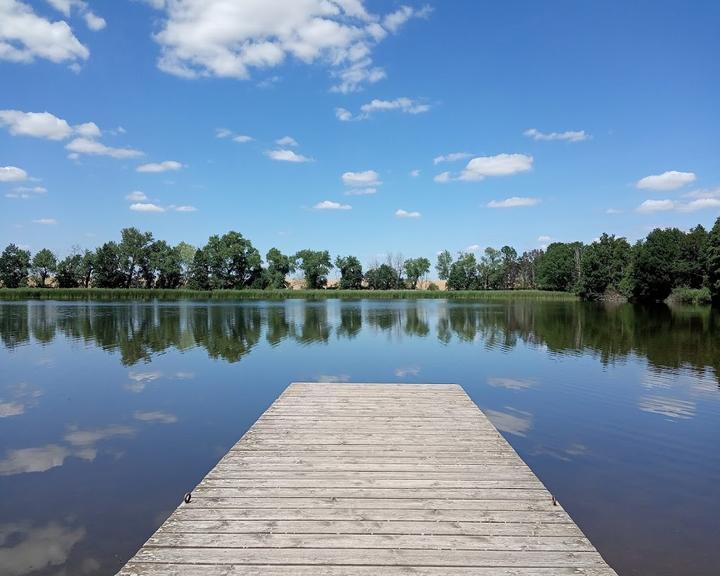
x=110 y=412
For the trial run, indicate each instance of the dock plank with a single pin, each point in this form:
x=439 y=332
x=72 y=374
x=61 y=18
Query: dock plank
x=366 y=479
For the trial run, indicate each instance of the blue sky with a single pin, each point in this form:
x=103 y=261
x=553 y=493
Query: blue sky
x=411 y=127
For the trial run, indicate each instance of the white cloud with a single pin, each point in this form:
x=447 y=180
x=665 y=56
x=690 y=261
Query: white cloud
x=473 y=248
x=286 y=141
x=670 y=180
x=225 y=133
x=443 y=177
x=12 y=174
x=500 y=165
x=414 y=173
x=330 y=205
x=400 y=213
x=513 y=202
x=404 y=105
x=146 y=207
x=544 y=238
x=184 y=208
x=649 y=206
x=613 y=211
x=360 y=191
x=95 y=148
x=25 y=36
x=155 y=167
x=343 y=114
x=284 y=155
x=452 y=157
x=36 y=124
x=368 y=178
x=226 y=38
x=656 y=206
x=156 y=417
x=136 y=196
x=570 y=135
x=45 y=221
x=93 y=21
x=704 y=193
x=26 y=192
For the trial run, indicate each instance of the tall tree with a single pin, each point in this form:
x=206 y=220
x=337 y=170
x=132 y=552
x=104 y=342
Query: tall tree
x=509 y=266
x=444 y=261
x=558 y=269
x=490 y=269
x=279 y=266
x=135 y=252
x=654 y=264
x=233 y=261
x=712 y=261
x=87 y=267
x=382 y=277
x=14 y=266
x=315 y=265
x=166 y=265
x=187 y=254
x=527 y=268
x=351 y=272
x=44 y=263
x=690 y=267
x=107 y=271
x=605 y=267
x=199 y=274
x=69 y=271
x=416 y=268
x=464 y=273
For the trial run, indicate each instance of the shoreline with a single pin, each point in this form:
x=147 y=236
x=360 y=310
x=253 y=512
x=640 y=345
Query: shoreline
x=322 y=294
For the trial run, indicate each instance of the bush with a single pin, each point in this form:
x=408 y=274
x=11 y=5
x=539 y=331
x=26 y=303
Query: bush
x=690 y=296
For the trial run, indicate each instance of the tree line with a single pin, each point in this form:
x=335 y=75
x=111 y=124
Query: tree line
x=610 y=267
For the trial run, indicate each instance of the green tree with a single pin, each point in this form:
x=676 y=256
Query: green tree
x=279 y=266
x=527 y=269
x=135 y=251
x=44 y=263
x=107 y=271
x=464 y=273
x=690 y=268
x=606 y=264
x=383 y=277
x=187 y=254
x=233 y=262
x=509 y=266
x=712 y=261
x=316 y=265
x=87 y=266
x=199 y=274
x=351 y=272
x=444 y=261
x=559 y=267
x=416 y=268
x=69 y=273
x=166 y=265
x=14 y=266
x=490 y=269
x=654 y=267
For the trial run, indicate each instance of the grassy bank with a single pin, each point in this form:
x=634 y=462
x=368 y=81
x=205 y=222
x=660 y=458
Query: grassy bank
x=690 y=296
x=144 y=294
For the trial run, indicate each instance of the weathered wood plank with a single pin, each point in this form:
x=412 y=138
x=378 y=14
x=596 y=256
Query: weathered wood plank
x=366 y=479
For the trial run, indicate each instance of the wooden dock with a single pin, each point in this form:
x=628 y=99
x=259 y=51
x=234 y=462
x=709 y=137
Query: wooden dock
x=366 y=480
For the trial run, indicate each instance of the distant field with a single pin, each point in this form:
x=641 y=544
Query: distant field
x=144 y=294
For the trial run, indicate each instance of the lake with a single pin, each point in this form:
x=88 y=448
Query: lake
x=110 y=412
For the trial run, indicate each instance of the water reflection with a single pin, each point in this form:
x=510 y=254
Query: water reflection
x=667 y=337
x=110 y=412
